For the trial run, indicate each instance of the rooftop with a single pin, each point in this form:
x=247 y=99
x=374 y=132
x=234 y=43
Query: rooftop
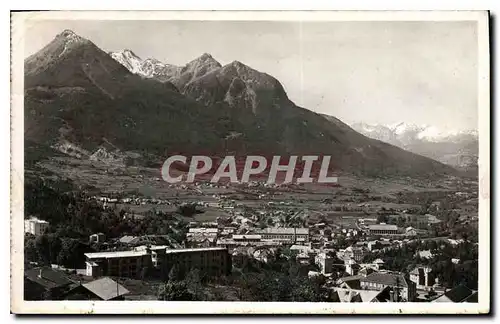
x=284 y=230
x=203 y=230
x=197 y=250
x=386 y=278
x=383 y=227
x=247 y=237
x=355 y=295
x=47 y=277
x=36 y=220
x=456 y=295
x=106 y=288
x=115 y=254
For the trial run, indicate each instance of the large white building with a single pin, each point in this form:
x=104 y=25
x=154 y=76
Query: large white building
x=35 y=226
x=383 y=229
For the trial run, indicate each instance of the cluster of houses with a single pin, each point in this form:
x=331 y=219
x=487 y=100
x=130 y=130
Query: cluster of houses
x=214 y=247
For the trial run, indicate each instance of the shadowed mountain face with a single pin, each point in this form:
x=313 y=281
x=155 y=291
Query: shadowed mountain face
x=77 y=93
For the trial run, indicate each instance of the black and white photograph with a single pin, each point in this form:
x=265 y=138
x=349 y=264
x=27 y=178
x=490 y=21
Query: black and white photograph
x=215 y=162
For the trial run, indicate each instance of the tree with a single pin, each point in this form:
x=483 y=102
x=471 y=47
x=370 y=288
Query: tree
x=174 y=274
x=382 y=218
x=175 y=291
x=194 y=285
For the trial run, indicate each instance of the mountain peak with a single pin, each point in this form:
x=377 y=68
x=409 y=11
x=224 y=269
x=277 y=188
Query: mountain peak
x=205 y=59
x=71 y=36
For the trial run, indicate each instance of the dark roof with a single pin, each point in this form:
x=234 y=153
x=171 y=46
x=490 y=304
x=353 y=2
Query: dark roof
x=459 y=294
x=106 y=288
x=386 y=278
x=472 y=298
x=349 y=278
x=47 y=277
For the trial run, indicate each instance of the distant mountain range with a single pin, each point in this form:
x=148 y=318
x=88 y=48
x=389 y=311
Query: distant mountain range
x=457 y=148
x=83 y=101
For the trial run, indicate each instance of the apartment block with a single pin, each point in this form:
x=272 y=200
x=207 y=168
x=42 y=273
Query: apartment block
x=147 y=260
x=35 y=226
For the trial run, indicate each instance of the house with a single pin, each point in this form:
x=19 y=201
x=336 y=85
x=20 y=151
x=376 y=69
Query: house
x=35 y=226
x=101 y=289
x=425 y=254
x=396 y=280
x=45 y=284
x=459 y=294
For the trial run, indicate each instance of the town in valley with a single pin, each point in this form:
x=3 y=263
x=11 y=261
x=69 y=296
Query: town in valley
x=101 y=223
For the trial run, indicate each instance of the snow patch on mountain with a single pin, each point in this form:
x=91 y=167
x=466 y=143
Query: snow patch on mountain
x=153 y=68
x=128 y=59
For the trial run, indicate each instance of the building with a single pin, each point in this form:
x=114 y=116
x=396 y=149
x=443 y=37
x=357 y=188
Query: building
x=97 y=238
x=410 y=231
x=285 y=234
x=351 y=267
x=214 y=261
x=35 y=226
x=130 y=264
x=405 y=288
x=383 y=229
x=324 y=262
x=459 y=294
x=202 y=237
x=150 y=260
x=422 y=277
x=45 y=284
x=378 y=245
x=355 y=252
x=157 y=253
x=245 y=240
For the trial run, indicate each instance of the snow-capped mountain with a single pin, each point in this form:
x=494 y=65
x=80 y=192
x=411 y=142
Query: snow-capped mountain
x=148 y=68
x=453 y=147
x=405 y=133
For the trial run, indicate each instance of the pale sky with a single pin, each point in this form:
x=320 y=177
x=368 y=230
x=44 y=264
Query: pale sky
x=374 y=72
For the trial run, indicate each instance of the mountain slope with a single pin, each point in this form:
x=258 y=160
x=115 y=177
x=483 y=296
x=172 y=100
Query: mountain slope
x=78 y=94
